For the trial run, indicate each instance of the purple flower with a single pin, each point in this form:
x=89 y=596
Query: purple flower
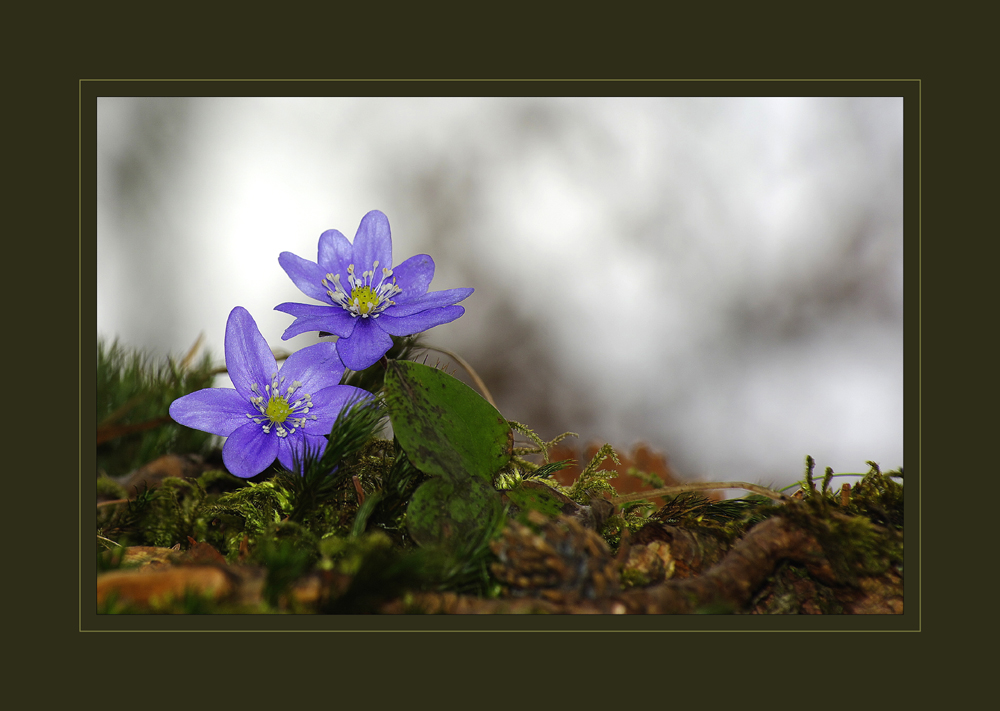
x=270 y=413
x=366 y=300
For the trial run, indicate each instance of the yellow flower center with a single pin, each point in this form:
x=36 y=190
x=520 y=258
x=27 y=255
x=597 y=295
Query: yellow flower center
x=368 y=298
x=278 y=409
x=364 y=299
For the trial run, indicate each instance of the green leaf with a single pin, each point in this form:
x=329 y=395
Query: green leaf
x=536 y=496
x=447 y=513
x=446 y=428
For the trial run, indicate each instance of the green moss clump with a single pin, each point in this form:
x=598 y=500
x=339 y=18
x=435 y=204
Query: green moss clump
x=593 y=482
x=173 y=515
x=243 y=515
x=287 y=551
x=863 y=538
x=879 y=497
x=110 y=490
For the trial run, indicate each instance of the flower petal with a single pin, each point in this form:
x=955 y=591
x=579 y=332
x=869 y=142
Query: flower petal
x=372 y=242
x=249 y=451
x=295 y=446
x=306 y=275
x=335 y=320
x=414 y=276
x=335 y=254
x=416 y=323
x=316 y=367
x=217 y=410
x=328 y=403
x=248 y=359
x=306 y=310
x=433 y=300
x=366 y=345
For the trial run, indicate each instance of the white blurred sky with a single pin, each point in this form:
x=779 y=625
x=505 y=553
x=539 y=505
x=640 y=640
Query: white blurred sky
x=720 y=278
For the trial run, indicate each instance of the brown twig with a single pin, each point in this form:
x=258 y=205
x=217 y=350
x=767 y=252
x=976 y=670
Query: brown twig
x=106 y=433
x=699 y=486
x=108 y=539
x=734 y=579
x=187 y=359
x=278 y=355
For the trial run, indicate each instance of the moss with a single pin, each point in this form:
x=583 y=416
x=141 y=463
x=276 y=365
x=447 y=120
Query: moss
x=243 y=514
x=342 y=523
x=345 y=555
x=632 y=578
x=109 y=558
x=853 y=544
x=173 y=515
x=791 y=591
x=724 y=521
x=593 y=482
x=287 y=550
x=219 y=481
x=879 y=497
x=108 y=489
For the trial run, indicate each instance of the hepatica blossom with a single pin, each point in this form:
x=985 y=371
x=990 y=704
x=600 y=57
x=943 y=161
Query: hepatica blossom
x=272 y=412
x=365 y=299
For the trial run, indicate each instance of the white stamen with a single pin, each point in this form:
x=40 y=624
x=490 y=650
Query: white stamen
x=297 y=410
x=349 y=299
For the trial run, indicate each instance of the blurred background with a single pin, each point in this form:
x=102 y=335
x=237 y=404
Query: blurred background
x=719 y=278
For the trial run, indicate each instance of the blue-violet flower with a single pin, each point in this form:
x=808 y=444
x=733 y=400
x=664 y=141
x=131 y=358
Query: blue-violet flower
x=366 y=300
x=271 y=413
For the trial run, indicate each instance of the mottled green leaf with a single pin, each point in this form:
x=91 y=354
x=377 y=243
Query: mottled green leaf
x=446 y=512
x=446 y=428
x=536 y=496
